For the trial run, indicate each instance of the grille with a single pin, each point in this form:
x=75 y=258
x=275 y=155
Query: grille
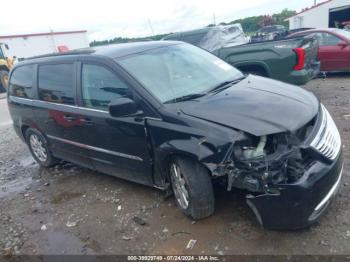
x=327 y=140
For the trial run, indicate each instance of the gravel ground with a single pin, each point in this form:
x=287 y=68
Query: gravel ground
x=71 y=210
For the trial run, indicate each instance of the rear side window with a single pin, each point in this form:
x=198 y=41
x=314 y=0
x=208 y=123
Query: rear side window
x=21 y=83
x=101 y=86
x=56 y=83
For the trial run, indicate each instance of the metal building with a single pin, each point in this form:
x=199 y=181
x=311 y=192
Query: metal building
x=331 y=13
x=27 y=45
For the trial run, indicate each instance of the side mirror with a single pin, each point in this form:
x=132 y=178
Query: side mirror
x=122 y=107
x=342 y=44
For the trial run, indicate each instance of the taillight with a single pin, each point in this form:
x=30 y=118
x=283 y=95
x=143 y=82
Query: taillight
x=300 y=52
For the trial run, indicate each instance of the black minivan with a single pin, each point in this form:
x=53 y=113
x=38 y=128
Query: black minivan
x=173 y=116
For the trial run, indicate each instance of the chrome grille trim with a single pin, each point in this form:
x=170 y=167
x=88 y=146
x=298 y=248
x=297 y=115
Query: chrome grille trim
x=327 y=140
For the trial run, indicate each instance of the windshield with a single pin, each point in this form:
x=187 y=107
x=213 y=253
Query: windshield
x=343 y=33
x=177 y=71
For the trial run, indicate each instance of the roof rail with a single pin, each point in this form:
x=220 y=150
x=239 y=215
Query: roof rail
x=84 y=51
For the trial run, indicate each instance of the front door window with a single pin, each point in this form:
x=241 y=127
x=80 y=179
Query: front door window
x=100 y=86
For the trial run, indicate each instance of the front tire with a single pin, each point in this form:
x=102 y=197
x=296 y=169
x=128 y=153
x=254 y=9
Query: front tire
x=192 y=187
x=39 y=148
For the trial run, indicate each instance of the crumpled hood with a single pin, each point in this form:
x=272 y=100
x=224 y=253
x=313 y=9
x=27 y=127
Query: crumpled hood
x=256 y=105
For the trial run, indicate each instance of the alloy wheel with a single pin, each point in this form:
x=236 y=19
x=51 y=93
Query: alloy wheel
x=37 y=147
x=179 y=186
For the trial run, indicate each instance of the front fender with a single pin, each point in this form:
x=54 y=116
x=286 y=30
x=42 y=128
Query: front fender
x=209 y=146
x=194 y=147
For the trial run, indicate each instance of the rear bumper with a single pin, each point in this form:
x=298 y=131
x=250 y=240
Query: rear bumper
x=301 y=77
x=301 y=204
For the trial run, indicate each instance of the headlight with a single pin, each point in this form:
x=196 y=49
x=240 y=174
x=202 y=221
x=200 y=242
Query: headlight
x=327 y=140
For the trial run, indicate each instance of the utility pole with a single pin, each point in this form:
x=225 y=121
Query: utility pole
x=315 y=2
x=52 y=36
x=214 y=22
x=150 y=26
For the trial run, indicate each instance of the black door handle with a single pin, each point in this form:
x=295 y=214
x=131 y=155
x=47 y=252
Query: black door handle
x=86 y=121
x=69 y=118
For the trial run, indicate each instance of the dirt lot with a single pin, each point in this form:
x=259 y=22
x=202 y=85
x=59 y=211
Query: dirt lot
x=71 y=210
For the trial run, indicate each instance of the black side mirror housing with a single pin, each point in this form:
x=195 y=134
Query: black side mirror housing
x=122 y=107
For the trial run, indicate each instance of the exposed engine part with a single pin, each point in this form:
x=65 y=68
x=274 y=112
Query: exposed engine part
x=261 y=163
x=252 y=184
x=259 y=151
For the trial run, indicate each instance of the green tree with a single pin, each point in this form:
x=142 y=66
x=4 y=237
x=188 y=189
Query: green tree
x=119 y=40
x=251 y=24
x=280 y=17
x=267 y=20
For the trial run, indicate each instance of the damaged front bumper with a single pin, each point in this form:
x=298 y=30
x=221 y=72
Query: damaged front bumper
x=299 y=204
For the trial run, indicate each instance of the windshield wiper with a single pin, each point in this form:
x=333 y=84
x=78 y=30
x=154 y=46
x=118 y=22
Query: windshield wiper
x=225 y=85
x=185 y=98
x=216 y=89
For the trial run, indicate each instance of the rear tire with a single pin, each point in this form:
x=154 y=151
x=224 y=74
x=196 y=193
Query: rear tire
x=38 y=146
x=192 y=187
x=3 y=80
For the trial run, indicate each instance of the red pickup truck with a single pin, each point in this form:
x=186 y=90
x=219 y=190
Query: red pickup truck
x=334 y=48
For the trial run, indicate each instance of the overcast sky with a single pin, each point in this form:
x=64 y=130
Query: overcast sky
x=106 y=19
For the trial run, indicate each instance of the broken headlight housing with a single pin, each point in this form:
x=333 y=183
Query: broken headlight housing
x=261 y=163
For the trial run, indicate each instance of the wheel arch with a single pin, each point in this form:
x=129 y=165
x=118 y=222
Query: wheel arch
x=190 y=140
x=164 y=155
x=253 y=67
x=180 y=154
x=25 y=126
